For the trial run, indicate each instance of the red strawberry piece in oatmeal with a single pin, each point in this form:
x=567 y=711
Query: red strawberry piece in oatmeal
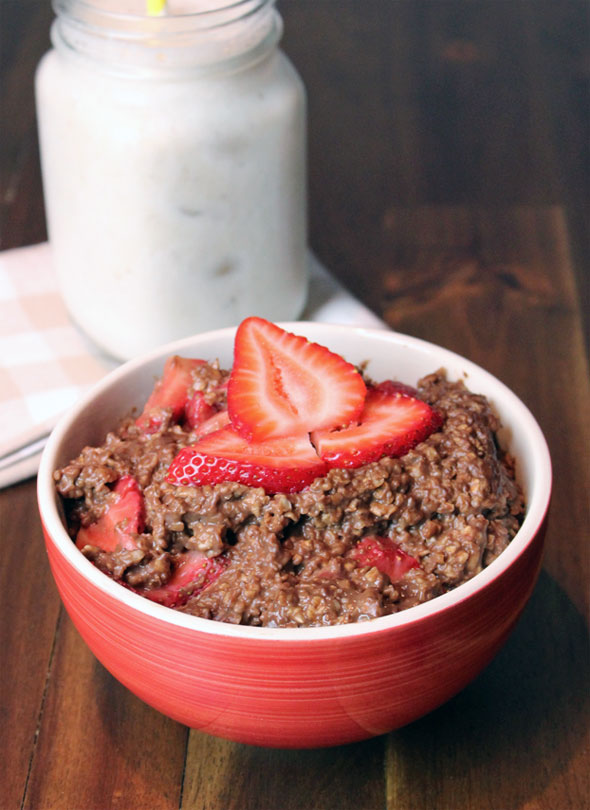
x=193 y=572
x=197 y=411
x=121 y=522
x=171 y=394
x=385 y=555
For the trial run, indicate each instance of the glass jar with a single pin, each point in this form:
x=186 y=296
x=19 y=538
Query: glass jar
x=174 y=169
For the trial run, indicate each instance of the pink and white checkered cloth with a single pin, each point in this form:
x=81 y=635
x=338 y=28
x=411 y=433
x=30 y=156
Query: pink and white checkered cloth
x=46 y=363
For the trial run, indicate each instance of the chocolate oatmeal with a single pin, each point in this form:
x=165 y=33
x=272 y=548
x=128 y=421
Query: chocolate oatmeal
x=356 y=543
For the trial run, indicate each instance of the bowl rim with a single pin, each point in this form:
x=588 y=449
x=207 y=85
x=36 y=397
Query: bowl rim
x=537 y=504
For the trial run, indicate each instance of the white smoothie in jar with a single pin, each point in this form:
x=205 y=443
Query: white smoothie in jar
x=174 y=173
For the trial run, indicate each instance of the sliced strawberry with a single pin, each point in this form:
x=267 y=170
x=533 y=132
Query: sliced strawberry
x=198 y=410
x=390 y=425
x=395 y=387
x=193 y=573
x=284 y=385
x=171 y=391
x=278 y=465
x=385 y=555
x=216 y=422
x=121 y=522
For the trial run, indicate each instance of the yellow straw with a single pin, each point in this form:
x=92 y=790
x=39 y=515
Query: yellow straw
x=155 y=7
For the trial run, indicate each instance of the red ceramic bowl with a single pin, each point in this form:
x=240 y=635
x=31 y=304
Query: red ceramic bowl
x=311 y=686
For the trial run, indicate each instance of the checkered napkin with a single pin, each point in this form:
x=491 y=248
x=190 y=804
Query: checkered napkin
x=46 y=364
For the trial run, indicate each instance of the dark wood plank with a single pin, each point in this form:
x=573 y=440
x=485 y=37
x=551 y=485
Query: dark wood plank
x=24 y=38
x=29 y=606
x=484 y=103
x=558 y=46
x=221 y=775
x=99 y=746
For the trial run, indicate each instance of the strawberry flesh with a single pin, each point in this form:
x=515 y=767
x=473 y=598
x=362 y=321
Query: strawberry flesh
x=219 y=420
x=171 y=392
x=278 y=465
x=282 y=385
x=193 y=572
x=390 y=425
x=385 y=555
x=395 y=387
x=120 y=523
x=294 y=410
x=198 y=410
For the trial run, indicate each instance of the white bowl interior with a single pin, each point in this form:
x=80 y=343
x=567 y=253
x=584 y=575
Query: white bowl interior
x=388 y=355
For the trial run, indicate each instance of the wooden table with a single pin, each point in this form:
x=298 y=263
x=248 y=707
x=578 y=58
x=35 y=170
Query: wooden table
x=449 y=189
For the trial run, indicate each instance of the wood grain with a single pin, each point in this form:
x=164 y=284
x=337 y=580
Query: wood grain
x=29 y=606
x=441 y=102
x=24 y=37
x=449 y=166
x=227 y=776
x=101 y=747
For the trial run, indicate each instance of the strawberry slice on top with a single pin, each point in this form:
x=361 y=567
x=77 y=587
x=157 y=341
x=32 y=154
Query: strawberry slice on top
x=390 y=424
x=282 y=384
x=120 y=523
x=171 y=391
x=287 y=464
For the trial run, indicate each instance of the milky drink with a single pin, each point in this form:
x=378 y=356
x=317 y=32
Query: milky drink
x=173 y=155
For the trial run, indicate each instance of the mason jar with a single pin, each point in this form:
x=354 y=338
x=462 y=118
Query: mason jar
x=174 y=169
